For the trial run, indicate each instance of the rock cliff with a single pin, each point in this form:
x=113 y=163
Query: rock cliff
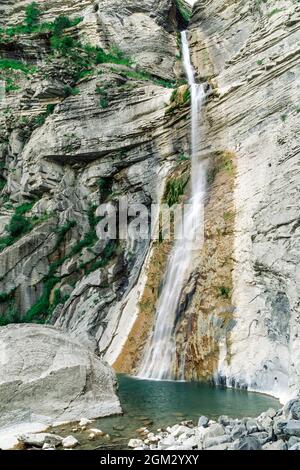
x=250 y=53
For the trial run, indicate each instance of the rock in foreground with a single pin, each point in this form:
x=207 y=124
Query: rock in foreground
x=271 y=430
x=46 y=377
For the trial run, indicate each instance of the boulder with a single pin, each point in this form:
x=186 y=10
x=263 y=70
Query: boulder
x=69 y=442
x=287 y=408
x=216 y=441
x=224 y=420
x=277 y=445
x=279 y=425
x=263 y=436
x=133 y=443
x=238 y=431
x=203 y=421
x=215 y=430
x=248 y=443
x=295 y=410
x=251 y=426
x=292 y=441
x=292 y=428
x=46 y=376
x=295 y=446
x=182 y=430
x=39 y=439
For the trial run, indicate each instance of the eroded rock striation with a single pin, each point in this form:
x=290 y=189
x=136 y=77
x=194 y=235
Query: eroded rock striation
x=96 y=109
x=250 y=53
x=52 y=377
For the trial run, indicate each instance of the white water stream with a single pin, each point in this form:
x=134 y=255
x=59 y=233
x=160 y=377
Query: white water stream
x=160 y=359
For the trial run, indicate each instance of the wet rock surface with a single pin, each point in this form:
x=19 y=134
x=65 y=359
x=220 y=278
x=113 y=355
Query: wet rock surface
x=233 y=434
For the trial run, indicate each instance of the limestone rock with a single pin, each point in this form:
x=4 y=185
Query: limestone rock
x=133 y=443
x=39 y=439
x=292 y=428
x=248 y=443
x=69 y=442
x=48 y=374
x=277 y=445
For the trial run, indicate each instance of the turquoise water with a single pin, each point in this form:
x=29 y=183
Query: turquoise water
x=159 y=404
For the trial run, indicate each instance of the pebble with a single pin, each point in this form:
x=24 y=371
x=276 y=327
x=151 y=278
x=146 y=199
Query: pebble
x=84 y=422
x=69 y=442
x=271 y=430
x=97 y=432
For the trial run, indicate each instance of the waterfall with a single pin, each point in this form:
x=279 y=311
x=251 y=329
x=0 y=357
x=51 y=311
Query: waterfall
x=160 y=358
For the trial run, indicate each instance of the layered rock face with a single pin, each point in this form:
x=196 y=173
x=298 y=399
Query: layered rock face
x=250 y=53
x=83 y=125
x=78 y=131
x=51 y=378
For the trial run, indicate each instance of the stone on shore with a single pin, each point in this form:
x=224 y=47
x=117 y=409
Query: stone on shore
x=46 y=376
x=39 y=439
x=292 y=428
x=248 y=443
x=133 y=443
x=69 y=442
x=277 y=445
x=203 y=421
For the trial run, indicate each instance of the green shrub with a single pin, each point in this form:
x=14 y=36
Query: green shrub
x=23 y=208
x=2 y=184
x=17 y=226
x=104 y=185
x=103 y=103
x=174 y=190
x=274 y=12
x=69 y=91
x=184 y=11
x=32 y=15
x=16 y=65
x=224 y=292
x=10 y=316
x=186 y=97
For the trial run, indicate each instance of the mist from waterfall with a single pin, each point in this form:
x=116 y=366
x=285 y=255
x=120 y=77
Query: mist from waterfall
x=159 y=361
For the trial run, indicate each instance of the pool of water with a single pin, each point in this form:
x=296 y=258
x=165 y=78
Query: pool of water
x=158 y=404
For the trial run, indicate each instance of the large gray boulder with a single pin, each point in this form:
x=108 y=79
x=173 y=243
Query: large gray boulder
x=46 y=376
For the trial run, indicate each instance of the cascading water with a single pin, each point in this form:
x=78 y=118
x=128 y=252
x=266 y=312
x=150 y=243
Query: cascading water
x=160 y=358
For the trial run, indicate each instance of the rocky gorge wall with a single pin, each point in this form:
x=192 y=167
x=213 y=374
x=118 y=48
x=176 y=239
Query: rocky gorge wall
x=83 y=125
x=250 y=54
x=78 y=129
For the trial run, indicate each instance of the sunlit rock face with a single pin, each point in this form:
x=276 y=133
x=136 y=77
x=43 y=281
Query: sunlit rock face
x=120 y=130
x=250 y=55
x=109 y=133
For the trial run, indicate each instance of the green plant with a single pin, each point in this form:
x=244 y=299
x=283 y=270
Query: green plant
x=174 y=190
x=16 y=65
x=186 y=97
x=104 y=185
x=2 y=184
x=32 y=15
x=103 y=103
x=184 y=11
x=224 y=292
x=23 y=208
x=10 y=316
x=17 y=226
x=71 y=91
x=108 y=252
x=274 y=12
x=182 y=158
